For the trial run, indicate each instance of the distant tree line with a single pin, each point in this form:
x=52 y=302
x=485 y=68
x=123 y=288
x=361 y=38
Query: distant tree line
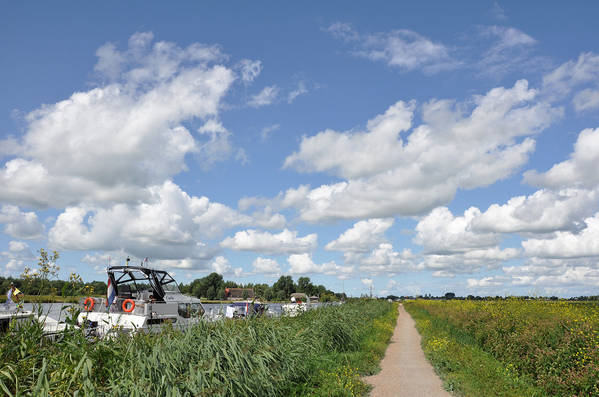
x=451 y=295
x=213 y=286
x=36 y=286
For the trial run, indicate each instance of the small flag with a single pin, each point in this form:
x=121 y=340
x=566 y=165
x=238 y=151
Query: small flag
x=16 y=295
x=110 y=294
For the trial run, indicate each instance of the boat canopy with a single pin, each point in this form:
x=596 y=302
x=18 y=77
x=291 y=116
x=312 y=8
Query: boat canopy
x=131 y=281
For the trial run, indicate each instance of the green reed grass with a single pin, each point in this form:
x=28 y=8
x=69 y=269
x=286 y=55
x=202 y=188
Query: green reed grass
x=258 y=357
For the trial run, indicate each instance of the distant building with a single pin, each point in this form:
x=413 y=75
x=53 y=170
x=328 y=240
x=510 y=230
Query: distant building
x=235 y=294
x=299 y=297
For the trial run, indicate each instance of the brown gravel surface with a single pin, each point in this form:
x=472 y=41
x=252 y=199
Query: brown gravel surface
x=404 y=370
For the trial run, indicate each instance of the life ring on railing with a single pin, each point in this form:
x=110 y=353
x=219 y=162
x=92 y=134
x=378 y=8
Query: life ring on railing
x=128 y=309
x=88 y=304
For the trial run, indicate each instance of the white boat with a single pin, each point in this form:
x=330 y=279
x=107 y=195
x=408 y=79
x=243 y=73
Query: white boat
x=17 y=316
x=13 y=314
x=243 y=309
x=300 y=303
x=139 y=299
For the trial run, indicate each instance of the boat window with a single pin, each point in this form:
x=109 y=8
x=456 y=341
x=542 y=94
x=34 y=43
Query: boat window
x=167 y=283
x=187 y=310
x=170 y=287
x=197 y=310
x=130 y=283
x=184 y=310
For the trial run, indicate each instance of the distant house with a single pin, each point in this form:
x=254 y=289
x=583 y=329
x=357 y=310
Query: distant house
x=314 y=299
x=299 y=297
x=235 y=294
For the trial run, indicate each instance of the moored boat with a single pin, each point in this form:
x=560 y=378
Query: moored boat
x=139 y=298
x=300 y=302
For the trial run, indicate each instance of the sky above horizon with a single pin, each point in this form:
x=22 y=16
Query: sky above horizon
x=410 y=149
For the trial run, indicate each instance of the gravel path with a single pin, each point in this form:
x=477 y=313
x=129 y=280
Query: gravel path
x=405 y=370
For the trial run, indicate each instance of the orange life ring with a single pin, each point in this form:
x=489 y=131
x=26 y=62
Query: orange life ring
x=130 y=308
x=88 y=304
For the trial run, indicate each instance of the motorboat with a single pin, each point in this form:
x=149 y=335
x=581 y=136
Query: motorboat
x=14 y=316
x=243 y=309
x=138 y=299
x=299 y=303
x=9 y=314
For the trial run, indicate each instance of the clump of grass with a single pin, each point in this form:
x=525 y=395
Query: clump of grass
x=258 y=357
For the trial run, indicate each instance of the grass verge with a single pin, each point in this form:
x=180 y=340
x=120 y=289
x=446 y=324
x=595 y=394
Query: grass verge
x=465 y=368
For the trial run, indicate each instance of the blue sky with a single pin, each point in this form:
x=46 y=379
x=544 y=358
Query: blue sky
x=412 y=148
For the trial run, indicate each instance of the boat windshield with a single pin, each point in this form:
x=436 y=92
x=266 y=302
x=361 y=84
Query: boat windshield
x=131 y=283
x=143 y=283
x=167 y=283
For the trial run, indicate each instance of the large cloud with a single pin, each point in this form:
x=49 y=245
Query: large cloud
x=580 y=170
x=452 y=149
x=286 y=242
x=362 y=237
x=382 y=259
x=266 y=266
x=170 y=225
x=542 y=273
x=567 y=244
x=440 y=232
x=302 y=264
x=112 y=141
x=452 y=246
x=14 y=260
x=20 y=224
x=541 y=212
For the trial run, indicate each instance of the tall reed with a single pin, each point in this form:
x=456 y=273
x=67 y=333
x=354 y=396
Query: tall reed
x=258 y=357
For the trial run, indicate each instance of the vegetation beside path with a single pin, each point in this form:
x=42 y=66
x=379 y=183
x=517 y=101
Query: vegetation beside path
x=512 y=347
x=320 y=353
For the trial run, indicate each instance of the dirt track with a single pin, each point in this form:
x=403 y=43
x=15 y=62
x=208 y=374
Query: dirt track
x=405 y=371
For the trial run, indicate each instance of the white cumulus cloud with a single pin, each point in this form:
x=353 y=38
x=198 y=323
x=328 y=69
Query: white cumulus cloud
x=542 y=212
x=266 y=266
x=286 y=242
x=110 y=142
x=579 y=171
x=362 y=237
x=391 y=175
x=566 y=244
x=302 y=264
x=19 y=224
x=170 y=225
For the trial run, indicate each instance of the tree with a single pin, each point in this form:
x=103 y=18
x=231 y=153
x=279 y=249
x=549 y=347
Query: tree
x=449 y=295
x=304 y=285
x=201 y=287
x=211 y=292
x=285 y=285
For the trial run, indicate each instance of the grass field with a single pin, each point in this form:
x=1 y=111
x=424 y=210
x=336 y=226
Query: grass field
x=320 y=353
x=512 y=347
